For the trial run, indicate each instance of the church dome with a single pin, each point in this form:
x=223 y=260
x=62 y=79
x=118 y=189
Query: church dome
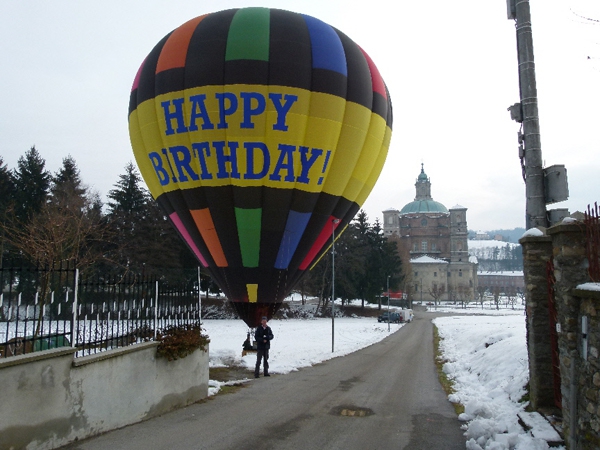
x=423 y=206
x=422 y=176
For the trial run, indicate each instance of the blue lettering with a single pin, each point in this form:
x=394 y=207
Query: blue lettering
x=250 y=173
x=182 y=159
x=223 y=111
x=208 y=160
x=261 y=104
x=282 y=109
x=285 y=162
x=201 y=151
x=164 y=152
x=199 y=111
x=307 y=163
x=223 y=159
x=177 y=115
x=161 y=173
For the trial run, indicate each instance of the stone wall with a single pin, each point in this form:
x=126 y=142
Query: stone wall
x=588 y=376
x=578 y=352
x=570 y=270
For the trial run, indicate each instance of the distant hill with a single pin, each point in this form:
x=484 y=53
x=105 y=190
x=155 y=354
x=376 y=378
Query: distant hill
x=496 y=256
x=510 y=235
x=507 y=235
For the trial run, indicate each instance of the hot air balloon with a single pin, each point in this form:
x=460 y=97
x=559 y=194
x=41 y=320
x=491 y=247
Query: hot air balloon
x=259 y=132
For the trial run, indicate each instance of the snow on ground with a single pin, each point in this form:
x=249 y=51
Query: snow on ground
x=298 y=342
x=485 y=351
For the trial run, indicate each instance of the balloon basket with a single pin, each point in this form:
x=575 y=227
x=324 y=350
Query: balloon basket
x=249 y=346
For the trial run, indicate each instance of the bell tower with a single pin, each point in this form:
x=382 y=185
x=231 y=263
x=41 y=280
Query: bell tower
x=459 y=250
x=423 y=186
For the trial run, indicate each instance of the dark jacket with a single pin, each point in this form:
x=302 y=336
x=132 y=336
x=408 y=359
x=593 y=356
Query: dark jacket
x=261 y=334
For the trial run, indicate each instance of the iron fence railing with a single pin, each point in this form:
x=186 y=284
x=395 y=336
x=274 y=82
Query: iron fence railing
x=35 y=308
x=592 y=248
x=40 y=309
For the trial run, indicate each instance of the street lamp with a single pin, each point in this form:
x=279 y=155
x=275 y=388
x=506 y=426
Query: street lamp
x=388 y=293
x=334 y=222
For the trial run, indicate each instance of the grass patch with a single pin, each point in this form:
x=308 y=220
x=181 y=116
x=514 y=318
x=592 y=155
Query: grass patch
x=230 y=388
x=525 y=399
x=447 y=383
x=229 y=374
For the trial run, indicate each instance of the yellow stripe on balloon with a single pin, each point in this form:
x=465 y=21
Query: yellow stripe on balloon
x=371 y=152
x=320 y=122
x=376 y=171
x=252 y=292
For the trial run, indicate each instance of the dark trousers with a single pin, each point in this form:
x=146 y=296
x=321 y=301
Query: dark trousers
x=262 y=354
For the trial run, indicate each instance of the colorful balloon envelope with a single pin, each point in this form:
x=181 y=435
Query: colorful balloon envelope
x=259 y=132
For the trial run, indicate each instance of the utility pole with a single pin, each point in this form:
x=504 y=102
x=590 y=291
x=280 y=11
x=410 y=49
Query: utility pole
x=388 y=294
x=526 y=112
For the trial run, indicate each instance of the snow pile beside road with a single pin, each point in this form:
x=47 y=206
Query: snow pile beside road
x=487 y=359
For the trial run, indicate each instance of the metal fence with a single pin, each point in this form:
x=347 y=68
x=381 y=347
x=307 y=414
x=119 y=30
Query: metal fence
x=592 y=248
x=41 y=308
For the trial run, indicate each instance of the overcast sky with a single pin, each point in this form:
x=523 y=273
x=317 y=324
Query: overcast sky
x=451 y=68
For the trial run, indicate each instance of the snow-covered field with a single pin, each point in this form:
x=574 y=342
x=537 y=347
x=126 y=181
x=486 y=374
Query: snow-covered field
x=299 y=343
x=486 y=354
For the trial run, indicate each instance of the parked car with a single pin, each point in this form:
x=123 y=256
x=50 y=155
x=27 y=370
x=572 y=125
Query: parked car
x=394 y=317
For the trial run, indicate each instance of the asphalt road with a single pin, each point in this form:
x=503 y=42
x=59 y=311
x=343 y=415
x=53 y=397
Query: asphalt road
x=386 y=396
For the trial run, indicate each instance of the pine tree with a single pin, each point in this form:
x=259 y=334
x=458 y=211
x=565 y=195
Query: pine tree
x=6 y=186
x=363 y=260
x=32 y=183
x=128 y=197
x=362 y=279
x=66 y=227
x=383 y=262
x=67 y=184
x=147 y=242
x=349 y=263
x=127 y=210
x=7 y=191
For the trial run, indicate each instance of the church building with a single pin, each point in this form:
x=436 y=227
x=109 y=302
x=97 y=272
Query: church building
x=435 y=237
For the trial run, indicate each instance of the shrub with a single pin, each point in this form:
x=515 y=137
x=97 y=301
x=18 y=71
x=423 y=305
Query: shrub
x=178 y=341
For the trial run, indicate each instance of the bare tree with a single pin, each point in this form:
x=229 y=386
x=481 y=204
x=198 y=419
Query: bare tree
x=62 y=231
x=481 y=291
x=521 y=296
x=496 y=293
x=511 y=297
x=437 y=291
x=463 y=293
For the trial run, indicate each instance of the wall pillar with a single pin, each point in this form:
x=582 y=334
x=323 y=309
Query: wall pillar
x=570 y=270
x=537 y=251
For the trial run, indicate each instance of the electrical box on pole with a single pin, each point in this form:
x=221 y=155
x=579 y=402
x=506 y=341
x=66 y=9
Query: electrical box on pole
x=511 y=10
x=516 y=113
x=555 y=183
x=557 y=215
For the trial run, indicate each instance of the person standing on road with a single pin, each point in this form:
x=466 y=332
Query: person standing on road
x=263 y=337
